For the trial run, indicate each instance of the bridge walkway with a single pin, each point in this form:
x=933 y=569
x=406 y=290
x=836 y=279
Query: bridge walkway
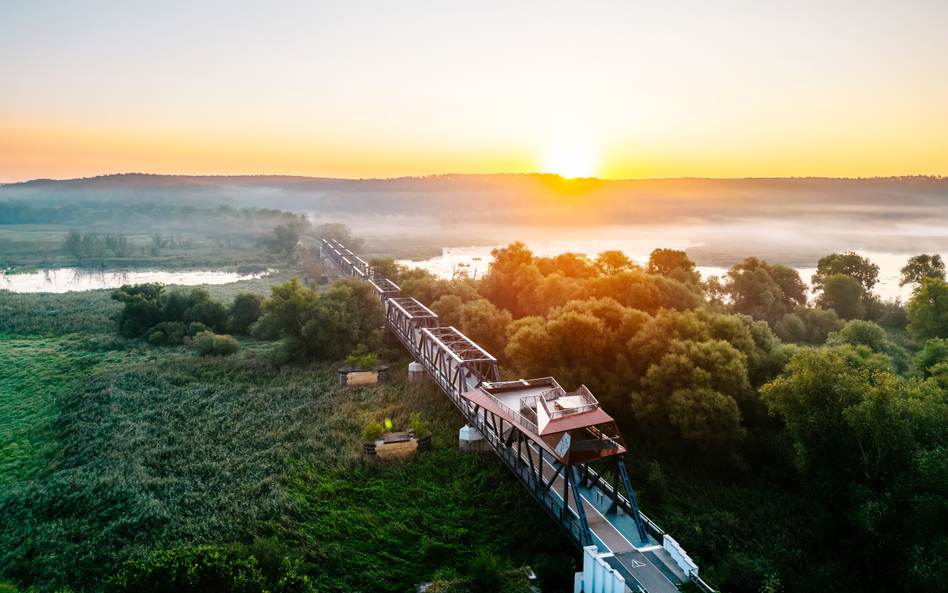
x=461 y=368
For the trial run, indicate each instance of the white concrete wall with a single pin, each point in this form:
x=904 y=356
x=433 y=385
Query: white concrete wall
x=597 y=575
x=681 y=557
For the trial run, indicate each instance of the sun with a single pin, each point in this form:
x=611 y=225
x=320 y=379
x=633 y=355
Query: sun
x=571 y=160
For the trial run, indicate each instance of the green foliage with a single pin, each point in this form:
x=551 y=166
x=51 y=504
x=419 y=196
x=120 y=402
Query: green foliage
x=934 y=353
x=868 y=442
x=188 y=570
x=210 y=344
x=867 y=333
x=164 y=317
x=928 y=310
x=664 y=261
x=143 y=308
x=921 y=266
x=657 y=483
x=845 y=295
x=328 y=326
x=366 y=361
x=819 y=323
x=848 y=264
x=485 y=570
x=372 y=432
x=418 y=426
x=194 y=306
x=764 y=291
x=385 y=266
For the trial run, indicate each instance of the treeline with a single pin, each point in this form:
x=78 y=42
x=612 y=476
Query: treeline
x=740 y=375
x=184 y=317
x=721 y=379
x=122 y=213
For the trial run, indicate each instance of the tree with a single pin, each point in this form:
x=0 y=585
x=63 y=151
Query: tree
x=933 y=354
x=286 y=312
x=613 y=262
x=664 y=261
x=843 y=294
x=244 y=311
x=693 y=389
x=486 y=325
x=385 y=266
x=143 y=308
x=571 y=265
x=849 y=264
x=328 y=326
x=928 y=310
x=872 y=448
x=867 y=333
x=194 y=306
x=498 y=283
x=921 y=266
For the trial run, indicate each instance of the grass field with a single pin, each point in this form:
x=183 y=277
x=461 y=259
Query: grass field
x=113 y=449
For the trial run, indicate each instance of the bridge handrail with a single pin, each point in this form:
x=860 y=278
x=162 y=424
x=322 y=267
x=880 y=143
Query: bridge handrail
x=515 y=415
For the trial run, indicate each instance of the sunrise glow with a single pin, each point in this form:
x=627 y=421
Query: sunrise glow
x=571 y=160
x=613 y=90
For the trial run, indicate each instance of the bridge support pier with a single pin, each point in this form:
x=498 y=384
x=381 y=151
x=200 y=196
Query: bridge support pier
x=471 y=441
x=416 y=372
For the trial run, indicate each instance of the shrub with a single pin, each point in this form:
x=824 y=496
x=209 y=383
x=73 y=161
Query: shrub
x=485 y=572
x=372 y=432
x=208 y=343
x=244 y=311
x=157 y=338
x=362 y=362
x=196 y=328
x=189 y=569
x=418 y=427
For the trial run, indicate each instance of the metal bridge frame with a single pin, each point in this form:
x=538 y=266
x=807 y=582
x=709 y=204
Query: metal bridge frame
x=459 y=365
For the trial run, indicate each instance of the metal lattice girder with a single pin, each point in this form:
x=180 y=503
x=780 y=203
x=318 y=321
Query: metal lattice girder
x=457 y=363
x=406 y=317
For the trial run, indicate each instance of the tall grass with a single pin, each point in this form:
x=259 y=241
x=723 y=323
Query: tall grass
x=184 y=451
x=57 y=314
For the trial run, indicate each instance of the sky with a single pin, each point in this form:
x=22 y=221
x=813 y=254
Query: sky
x=386 y=89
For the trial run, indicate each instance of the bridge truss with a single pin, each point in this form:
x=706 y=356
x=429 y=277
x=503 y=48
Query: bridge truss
x=582 y=502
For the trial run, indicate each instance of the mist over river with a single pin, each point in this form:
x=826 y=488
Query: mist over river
x=474 y=261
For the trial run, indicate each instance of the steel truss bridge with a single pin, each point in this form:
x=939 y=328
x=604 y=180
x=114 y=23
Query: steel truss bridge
x=558 y=472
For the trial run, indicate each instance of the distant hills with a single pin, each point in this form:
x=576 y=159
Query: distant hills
x=531 y=199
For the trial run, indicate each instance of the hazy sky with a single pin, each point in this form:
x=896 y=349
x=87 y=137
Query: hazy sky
x=382 y=89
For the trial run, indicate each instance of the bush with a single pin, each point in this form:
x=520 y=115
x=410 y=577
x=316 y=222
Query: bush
x=244 y=311
x=205 y=569
x=196 y=328
x=372 y=432
x=189 y=569
x=418 y=427
x=485 y=572
x=362 y=362
x=210 y=344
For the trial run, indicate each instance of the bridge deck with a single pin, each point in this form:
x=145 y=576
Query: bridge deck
x=458 y=366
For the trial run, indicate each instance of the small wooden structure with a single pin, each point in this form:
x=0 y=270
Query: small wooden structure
x=397 y=444
x=377 y=374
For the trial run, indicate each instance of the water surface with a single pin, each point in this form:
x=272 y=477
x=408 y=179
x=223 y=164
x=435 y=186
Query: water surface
x=74 y=279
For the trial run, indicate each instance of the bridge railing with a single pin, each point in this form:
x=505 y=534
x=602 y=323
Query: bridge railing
x=551 y=502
